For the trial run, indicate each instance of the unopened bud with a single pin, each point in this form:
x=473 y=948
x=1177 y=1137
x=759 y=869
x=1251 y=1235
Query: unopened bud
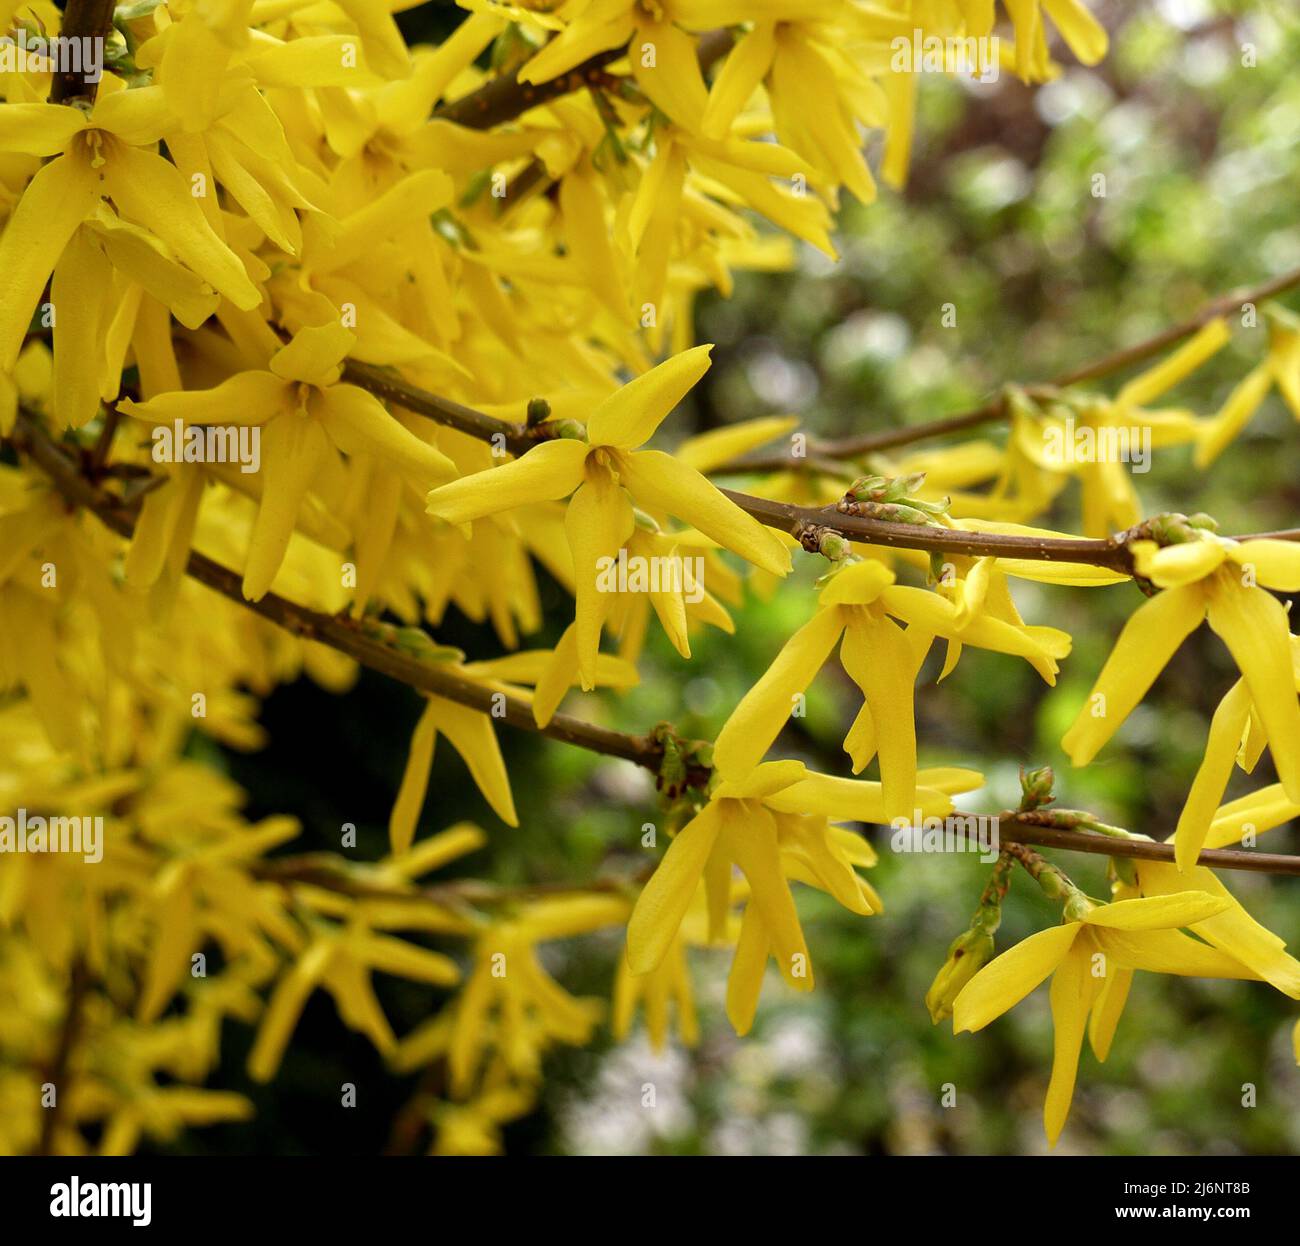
x=967 y=954
x=833 y=546
x=1036 y=786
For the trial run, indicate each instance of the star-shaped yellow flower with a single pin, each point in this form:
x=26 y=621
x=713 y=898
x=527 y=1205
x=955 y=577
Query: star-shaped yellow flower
x=605 y=474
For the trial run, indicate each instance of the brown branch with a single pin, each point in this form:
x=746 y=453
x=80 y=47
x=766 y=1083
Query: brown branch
x=57 y=1072
x=347 y=637
x=799 y=521
x=1012 y=831
x=504 y=98
x=82 y=19
x=342 y=634
x=996 y=408
x=386 y=384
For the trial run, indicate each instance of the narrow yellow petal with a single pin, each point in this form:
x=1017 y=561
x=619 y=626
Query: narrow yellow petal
x=244 y=399
x=1107 y=1010
x=153 y=192
x=1253 y=624
x=1226 y=727
x=1008 y=978
x=294 y=451
x=659 y=481
x=358 y=424
x=1149 y=639
x=1272 y=563
x=55 y=202
x=630 y=415
x=415 y=782
x=745 y=981
x=756 y=722
x=471 y=735
x=750 y=839
x=598 y=521
x=1169 y=371
x=547 y=472
x=314 y=354
x=1073 y=990
x=880 y=659
x=665 y=898
x=1167 y=912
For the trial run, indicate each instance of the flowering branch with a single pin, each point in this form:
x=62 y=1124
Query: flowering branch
x=824 y=452
x=504 y=97
x=799 y=521
x=347 y=637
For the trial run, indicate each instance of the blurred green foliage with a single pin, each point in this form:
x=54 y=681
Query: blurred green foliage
x=1200 y=163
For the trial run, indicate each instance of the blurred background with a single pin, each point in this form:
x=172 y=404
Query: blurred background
x=1201 y=163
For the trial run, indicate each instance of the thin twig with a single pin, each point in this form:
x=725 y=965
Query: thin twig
x=82 y=19
x=1112 y=553
x=347 y=637
x=1012 y=831
x=340 y=633
x=60 y=1063
x=996 y=408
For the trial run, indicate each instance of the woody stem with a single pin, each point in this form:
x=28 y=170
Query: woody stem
x=346 y=637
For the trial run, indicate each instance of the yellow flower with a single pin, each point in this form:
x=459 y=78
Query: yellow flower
x=773 y=823
x=340 y=959
x=471 y=735
x=609 y=473
x=474 y=1128
x=1092 y=437
x=98 y=156
x=858 y=608
x=1091 y=958
x=1281 y=367
x=1210 y=578
x=307 y=416
x=1237 y=736
x=510 y=1004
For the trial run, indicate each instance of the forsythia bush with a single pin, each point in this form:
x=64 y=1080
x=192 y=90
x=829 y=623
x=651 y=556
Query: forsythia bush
x=308 y=336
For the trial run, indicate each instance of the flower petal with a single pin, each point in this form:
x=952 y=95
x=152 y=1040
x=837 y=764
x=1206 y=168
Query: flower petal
x=1008 y=978
x=1147 y=642
x=1073 y=990
x=659 y=481
x=358 y=424
x=1253 y=624
x=630 y=415
x=757 y=721
x=55 y=202
x=598 y=521
x=666 y=897
x=545 y=473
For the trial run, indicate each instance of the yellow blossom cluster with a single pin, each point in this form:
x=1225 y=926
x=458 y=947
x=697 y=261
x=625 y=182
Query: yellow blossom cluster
x=308 y=337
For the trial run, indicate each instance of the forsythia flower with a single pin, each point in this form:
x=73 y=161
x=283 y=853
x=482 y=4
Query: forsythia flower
x=306 y=416
x=605 y=474
x=1091 y=958
x=1281 y=367
x=1219 y=580
x=858 y=608
x=772 y=823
